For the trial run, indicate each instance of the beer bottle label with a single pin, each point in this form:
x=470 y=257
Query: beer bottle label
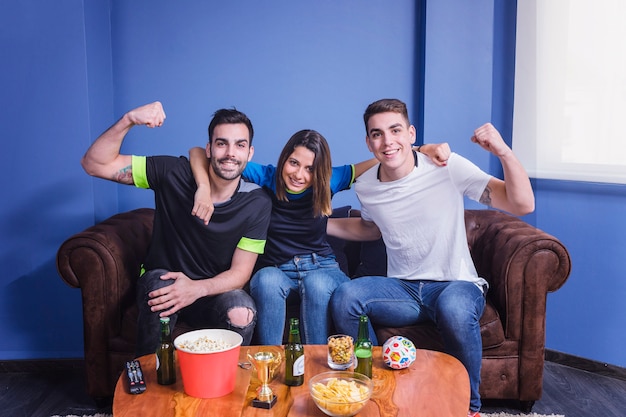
x=298 y=366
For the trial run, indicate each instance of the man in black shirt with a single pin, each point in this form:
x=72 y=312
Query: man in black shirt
x=193 y=270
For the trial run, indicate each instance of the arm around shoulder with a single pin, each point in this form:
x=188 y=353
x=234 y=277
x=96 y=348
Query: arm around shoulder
x=361 y=167
x=352 y=228
x=202 y=204
x=438 y=153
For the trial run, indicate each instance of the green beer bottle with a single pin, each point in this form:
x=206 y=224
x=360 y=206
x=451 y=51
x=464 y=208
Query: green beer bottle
x=294 y=355
x=166 y=373
x=363 y=349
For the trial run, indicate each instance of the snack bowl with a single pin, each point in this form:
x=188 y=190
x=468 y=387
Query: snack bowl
x=208 y=361
x=340 y=393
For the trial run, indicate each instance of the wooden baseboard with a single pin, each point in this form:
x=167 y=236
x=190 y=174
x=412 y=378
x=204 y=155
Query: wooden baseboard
x=585 y=364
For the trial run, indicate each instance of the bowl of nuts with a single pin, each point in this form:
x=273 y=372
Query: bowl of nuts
x=340 y=352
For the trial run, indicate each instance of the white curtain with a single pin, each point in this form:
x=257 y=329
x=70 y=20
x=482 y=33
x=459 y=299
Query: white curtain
x=569 y=118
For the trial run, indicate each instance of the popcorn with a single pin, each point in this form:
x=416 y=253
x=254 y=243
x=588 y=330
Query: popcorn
x=204 y=345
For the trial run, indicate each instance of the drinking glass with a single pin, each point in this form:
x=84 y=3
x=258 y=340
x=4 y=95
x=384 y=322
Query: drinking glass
x=340 y=352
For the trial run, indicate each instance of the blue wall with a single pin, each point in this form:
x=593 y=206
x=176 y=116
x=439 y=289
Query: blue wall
x=44 y=123
x=72 y=67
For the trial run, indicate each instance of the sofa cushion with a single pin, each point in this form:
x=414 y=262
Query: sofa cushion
x=491 y=328
x=372 y=259
x=339 y=245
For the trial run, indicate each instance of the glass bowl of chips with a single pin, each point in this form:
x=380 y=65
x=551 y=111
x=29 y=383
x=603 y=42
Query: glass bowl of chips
x=340 y=393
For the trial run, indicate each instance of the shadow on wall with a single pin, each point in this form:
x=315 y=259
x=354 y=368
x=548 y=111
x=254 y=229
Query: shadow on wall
x=40 y=315
x=44 y=317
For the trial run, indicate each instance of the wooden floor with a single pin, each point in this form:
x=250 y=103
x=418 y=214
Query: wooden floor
x=47 y=388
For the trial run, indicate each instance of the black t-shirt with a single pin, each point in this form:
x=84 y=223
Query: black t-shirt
x=294 y=231
x=180 y=240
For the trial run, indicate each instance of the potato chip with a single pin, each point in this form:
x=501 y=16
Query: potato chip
x=339 y=396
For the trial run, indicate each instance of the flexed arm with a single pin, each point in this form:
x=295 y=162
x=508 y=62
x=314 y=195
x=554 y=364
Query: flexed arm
x=103 y=158
x=514 y=194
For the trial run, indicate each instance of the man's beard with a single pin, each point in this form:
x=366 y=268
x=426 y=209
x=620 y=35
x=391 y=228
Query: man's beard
x=227 y=174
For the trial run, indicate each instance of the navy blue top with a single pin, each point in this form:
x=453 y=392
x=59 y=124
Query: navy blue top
x=293 y=229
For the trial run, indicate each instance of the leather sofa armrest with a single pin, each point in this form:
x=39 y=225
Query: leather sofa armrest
x=113 y=248
x=104 y=261
x=522 y=264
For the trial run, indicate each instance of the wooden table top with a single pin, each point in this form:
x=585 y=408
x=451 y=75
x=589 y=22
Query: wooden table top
x=436 y=384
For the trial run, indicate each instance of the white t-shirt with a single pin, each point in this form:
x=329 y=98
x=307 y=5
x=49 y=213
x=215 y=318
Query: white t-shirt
x=421 y=218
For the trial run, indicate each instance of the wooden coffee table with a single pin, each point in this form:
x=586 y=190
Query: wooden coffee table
x=435 y=385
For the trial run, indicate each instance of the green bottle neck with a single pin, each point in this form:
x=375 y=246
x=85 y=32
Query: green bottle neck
x=166 y=336
x=294 y=332
x=294 y=337
x=364 y=333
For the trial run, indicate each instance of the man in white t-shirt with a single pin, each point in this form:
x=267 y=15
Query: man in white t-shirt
x=418 y=209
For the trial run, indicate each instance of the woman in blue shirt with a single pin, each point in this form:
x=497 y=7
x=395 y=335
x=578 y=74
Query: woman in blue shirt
x=298 y=263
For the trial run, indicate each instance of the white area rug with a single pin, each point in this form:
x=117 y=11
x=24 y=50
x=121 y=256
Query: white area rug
x=519 y=415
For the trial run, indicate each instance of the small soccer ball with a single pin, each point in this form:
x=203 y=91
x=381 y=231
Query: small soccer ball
x=398 y=352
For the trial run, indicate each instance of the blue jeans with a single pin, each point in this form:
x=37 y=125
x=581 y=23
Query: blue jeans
x=309 y=278
x=205 y=312
x=454 y=306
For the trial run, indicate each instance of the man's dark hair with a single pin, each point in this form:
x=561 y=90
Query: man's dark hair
x=230 y=117
x=386 y=105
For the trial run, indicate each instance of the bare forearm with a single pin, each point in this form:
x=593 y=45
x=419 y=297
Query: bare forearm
x=438 y=153
x=515 y=193
x=199 y=166
x=361 y=167
x=352 y=229
x=234 y=278
x=202 y=203
x=519 y=192
x=226 y=281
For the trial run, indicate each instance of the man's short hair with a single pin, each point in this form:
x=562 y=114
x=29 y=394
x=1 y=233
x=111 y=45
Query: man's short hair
x=230 y=117
x=386 y=105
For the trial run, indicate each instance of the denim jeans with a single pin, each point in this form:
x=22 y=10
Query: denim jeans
x=205 y=312
x=309 y=278
x=454 y=306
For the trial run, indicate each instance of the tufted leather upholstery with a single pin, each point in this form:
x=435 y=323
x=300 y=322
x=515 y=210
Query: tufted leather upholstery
x=521 y=263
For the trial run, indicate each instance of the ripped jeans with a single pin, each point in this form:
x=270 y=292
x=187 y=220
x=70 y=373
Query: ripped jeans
x=206 y=312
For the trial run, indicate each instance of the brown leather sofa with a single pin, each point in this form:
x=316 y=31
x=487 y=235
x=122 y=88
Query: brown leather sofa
x=521 y=263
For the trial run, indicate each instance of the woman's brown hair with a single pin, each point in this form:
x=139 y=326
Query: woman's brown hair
x=321 y=170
